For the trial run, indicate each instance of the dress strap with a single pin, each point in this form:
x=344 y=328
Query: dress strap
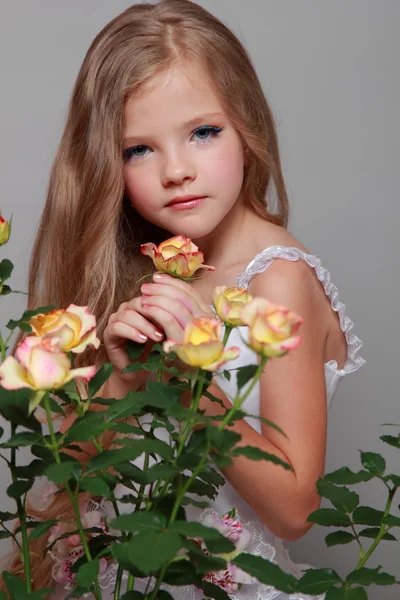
x=264 y=259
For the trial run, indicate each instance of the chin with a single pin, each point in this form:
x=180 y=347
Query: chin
x=195 y=229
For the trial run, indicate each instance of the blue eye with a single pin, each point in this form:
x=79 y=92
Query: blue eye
x=134 y=152
x=209 y=131
x=205 y=134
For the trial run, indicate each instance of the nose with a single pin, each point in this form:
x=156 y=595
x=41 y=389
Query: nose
x=177 y=168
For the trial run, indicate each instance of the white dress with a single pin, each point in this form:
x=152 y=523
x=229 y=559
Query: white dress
x=263 y=542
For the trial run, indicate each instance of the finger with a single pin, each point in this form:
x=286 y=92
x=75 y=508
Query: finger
x=167 y=321
x=168 y=304
x=168 y=291
x=143 y=326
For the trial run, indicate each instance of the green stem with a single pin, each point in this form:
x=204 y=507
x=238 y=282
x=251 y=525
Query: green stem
x=22 y=520
x=131 y=582
x=117 y=589
x=227 y=333
x=381 y=533
x=70 y=493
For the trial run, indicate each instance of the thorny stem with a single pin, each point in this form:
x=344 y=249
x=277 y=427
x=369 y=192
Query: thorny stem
x=70 y=493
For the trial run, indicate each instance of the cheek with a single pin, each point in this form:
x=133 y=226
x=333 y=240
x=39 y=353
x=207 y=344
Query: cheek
x=140 y=190
x=226 y=167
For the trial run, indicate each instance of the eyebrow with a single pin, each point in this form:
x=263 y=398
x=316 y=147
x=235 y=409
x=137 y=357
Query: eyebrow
x=192 y=122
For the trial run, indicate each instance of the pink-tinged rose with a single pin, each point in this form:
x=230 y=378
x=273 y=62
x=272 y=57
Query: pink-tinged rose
x=202 y=345
x=230 y=578
x=4 y=231
x=272 y=328
x=228 y=303
x=177 y=256
x=68 y=550
x=75 y=327
x=40 y=365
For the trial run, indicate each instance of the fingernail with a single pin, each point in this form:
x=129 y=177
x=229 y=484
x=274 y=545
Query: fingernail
x=158 y=334
x=142 y=338
x=157 y=277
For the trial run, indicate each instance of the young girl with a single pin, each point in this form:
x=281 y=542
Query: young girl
x=169 y=133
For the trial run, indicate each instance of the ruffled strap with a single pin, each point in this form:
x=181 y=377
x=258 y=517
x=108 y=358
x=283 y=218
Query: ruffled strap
x=264 y=259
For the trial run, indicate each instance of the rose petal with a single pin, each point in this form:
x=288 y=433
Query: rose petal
x=13 y=376
x=48 y=370
x=88 y=321
x=85 y=372
x=90 y=339
x=148 y=249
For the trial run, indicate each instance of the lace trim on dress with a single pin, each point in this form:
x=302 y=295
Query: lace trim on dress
x=264 y=259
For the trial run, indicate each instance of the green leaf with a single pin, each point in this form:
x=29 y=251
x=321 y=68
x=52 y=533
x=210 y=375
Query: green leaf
x=162 y=395
x=88 y=572
x=5 y=534
x=341 y=497
x=14 y=406
x=86 y=428
x=15 y=586
x=317 y=581
x=372 y=532
x=131 y=405
x=6 y=268
x=266 y=572
x=140 y=521
x=125 y=428
x=339 y=537
x=134 y=350
x=391 y=520
x=391 y=440
x=226 y=374
x=7 y=516
x=373 y=462
x=161 y=471
x=111 y=458
x=28 y=314
x=194 y=529
x=224 y=440
x=395 y=479
x=3 y=596
x=148 y=551
x=244 y=374
x=365 y=576
x=25 y=438
x=61 y=473
x=133 y=595
x=96 y=486
x=255 y=453
x=329 y=517
x=147 y=445
x=211 y=476
x=41 y=528
x=19 y=488
x=102 y=375
x=213 y=591
x=345 y=476
x=365 y=515
x=131 y=471
x=341 y=593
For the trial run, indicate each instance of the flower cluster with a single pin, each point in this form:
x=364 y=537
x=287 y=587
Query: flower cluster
x=42 y=362
x=272 y=330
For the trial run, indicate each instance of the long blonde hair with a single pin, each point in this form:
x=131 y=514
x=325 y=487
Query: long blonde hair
x=87 y=245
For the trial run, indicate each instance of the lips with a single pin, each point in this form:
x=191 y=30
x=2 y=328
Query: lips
x=183 y=199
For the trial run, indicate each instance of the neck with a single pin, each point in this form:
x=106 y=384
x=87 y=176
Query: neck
x=220 y=245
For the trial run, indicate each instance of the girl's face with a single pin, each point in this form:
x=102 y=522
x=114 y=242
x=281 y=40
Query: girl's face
x=178 y=142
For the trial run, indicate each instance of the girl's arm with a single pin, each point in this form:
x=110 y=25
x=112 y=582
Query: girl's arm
x=293 y=396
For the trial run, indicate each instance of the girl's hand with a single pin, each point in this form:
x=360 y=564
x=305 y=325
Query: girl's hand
x=128 y=323
x=172 y=303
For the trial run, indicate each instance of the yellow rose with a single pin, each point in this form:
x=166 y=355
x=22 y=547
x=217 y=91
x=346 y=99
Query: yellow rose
x=4 y=231
x=272 y=328
x=74 y=328
x=40 y=365
x=228 y=303
x=177 y=256
x=202 y=346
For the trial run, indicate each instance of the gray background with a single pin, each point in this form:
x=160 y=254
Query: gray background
x=330 y=71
